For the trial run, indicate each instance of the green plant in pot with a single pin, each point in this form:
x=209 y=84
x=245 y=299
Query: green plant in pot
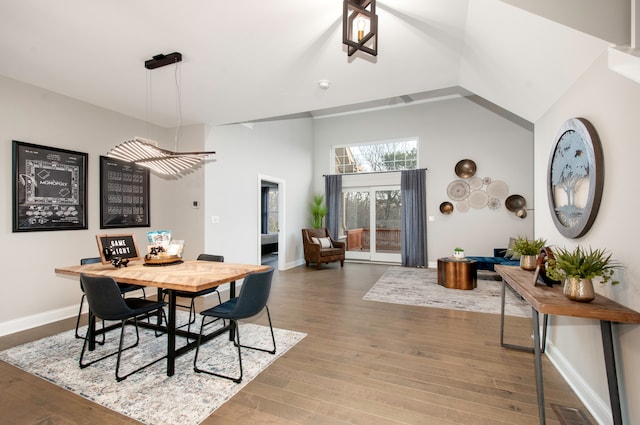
x=577 y=267
x=318 y=211
x=528 y=250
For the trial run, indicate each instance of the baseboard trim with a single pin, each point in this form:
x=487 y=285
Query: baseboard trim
x=598 y=407
x=35 y=320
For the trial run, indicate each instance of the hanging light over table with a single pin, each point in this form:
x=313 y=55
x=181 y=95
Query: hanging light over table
x=146 y=152
x=360 y=26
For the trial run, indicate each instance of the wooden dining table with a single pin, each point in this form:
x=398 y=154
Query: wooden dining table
x=188 y=276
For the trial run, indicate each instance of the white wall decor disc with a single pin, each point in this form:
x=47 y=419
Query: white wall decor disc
x=463 y=206
x=497 y=189
x=458 y=190
x=478 y=199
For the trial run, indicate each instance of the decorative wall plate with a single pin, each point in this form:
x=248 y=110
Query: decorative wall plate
x=497 y=189
x=478 y=199
x=463 y=206
x=515 y=202
x=575 y=177
x=465 y=168
x=458 y=190
x=494 y=203
x=475 y=183
x=446 y=208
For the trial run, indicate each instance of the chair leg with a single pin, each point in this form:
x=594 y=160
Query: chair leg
x=192 y=313
x=234 y=327
x=273 y=338
x=79 y=314
x=86 y=342
x=120 y=350
x=236 y=342
x=78 y=336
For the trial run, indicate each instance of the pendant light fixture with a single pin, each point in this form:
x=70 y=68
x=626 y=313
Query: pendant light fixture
x=145 y=152
x=360 y=26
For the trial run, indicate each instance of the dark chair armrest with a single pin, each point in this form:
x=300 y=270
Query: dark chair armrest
x=499 y=252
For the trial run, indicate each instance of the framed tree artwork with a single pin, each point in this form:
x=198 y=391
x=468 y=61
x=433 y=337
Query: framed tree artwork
x=49 y=188
x=124 y=194
x=575 y=177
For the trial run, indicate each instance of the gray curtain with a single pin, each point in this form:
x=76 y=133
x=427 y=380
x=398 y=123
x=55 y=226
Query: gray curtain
x=414 y=222
x=333 y=200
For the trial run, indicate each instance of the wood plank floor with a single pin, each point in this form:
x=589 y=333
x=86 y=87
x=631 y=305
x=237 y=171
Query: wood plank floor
x=362 y=363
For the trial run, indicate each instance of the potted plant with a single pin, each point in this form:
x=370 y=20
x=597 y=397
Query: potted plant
x=578 y=267
x=458 y=253
x=528 y=250
x=318 y=211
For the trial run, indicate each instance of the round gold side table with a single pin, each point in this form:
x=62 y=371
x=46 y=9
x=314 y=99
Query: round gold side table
x=457 y=273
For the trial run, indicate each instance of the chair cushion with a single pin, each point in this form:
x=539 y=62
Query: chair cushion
x=328 y=252
x=223 y=310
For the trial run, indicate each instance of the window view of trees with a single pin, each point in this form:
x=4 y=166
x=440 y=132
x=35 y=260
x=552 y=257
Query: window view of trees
x=371 y=219
x=377 y=157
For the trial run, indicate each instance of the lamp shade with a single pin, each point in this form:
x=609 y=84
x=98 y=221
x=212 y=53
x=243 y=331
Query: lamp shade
x=360 y=26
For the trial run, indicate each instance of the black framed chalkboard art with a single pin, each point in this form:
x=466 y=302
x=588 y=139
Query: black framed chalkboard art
x=49 y=188
x=124 y=194
x=123 y=246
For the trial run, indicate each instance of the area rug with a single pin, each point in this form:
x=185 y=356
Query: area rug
x=150 y=396
x=419 y=286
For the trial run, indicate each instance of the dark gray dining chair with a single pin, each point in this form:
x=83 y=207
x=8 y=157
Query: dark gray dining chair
x=253 y=298
x=193 y=295
x=124 y=289
x=106 y=303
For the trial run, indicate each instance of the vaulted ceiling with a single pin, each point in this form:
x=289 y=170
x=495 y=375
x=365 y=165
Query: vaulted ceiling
x=252 y=60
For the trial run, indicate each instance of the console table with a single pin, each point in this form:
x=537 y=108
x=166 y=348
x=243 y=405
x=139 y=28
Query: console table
x=547 y=300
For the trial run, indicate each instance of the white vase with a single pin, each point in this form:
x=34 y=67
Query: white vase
x=458 y=254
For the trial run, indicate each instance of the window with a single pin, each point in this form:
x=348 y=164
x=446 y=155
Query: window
x=269 y=208
x=384 y=156
x=273 y=227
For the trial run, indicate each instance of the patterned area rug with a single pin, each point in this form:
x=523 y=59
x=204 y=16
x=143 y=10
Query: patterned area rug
x=150 y=396
x=416 y=286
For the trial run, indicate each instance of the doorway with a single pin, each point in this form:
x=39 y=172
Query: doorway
x=271 y=221
x=372 y=223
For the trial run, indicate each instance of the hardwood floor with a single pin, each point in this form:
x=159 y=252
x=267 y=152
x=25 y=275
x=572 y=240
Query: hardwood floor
x=362 y=362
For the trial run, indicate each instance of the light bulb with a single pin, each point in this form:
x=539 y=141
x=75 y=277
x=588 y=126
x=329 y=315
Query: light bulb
x=361 y=23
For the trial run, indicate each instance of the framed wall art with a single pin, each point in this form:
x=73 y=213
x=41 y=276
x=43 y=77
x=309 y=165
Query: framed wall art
x=124 y=194
x=49 y=188
x=575 y=177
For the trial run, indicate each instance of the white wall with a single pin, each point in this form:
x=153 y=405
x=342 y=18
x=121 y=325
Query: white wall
x=611 y=103
x=448 y=131
x=279 y=149
x=28 y=259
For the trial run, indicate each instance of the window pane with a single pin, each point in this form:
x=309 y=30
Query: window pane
x=356 y=220
x=389 y=156
x=274 y=227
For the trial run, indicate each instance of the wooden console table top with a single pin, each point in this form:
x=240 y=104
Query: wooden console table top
x=549 y=300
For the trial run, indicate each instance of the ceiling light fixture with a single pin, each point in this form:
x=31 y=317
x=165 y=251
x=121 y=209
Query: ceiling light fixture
x=360 y=26
x=146 y=152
